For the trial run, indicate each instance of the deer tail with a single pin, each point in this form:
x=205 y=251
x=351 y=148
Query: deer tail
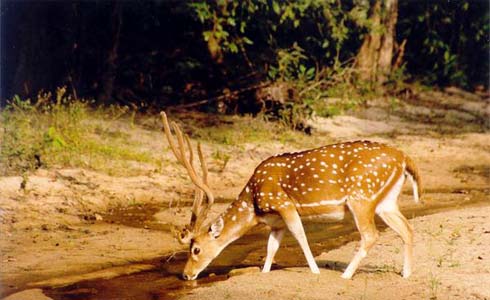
x=413 y=174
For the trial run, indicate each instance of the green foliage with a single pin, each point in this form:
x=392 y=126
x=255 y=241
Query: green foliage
x=61 y=132
x=293 y=38
x=162 y=50
x=319 y=28
x=452 y=37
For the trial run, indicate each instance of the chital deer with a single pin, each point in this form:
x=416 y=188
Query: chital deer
x=364 y=177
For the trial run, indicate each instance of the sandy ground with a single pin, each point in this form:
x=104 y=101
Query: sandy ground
x=61 y=224
x=451 y=262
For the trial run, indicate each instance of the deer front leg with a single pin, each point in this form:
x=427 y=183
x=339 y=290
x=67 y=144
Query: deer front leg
x=293 y=222
x=275 y=239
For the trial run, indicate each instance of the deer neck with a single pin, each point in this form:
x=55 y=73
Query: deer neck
x=238 y=218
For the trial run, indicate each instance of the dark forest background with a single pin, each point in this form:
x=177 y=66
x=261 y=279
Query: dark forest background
x=167 y=53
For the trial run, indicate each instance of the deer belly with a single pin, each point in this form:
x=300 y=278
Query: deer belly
x=320 y=214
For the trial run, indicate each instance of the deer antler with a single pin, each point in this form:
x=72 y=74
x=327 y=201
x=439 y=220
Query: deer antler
x=198 y=213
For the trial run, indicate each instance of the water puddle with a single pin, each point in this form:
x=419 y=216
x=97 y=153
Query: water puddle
x=165 y=283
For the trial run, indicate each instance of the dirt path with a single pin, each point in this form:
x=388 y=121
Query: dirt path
x=72 y=221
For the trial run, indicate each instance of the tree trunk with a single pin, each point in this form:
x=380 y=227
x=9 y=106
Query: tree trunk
x=110 y=67
x=374 y=60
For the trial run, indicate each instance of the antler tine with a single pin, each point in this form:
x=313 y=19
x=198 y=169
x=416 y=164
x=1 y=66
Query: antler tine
x=191 y=153
x=210 y=200
x=170 y=139
x=204 y=166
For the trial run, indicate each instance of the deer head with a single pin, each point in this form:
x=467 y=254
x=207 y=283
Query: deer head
x=205 y=242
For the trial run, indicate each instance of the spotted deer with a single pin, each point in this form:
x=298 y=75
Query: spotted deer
x=363 y=177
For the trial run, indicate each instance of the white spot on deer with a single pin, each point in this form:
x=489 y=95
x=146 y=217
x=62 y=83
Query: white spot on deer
x=341 y=157
x=233 y=218
x=247 y=190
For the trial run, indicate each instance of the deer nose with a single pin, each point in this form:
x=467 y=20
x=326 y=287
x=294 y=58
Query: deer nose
x=188 y=277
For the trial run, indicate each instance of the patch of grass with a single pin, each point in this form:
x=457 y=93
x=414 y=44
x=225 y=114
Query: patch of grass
x=58 y=131
x=434 y=284
x=386 y=268
x=238 y=131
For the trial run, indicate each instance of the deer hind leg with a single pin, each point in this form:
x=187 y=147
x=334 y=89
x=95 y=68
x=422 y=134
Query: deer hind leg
x=293 y=222
x=396 y=221
x=364 y=218
x=275 y=239
x=388 y=211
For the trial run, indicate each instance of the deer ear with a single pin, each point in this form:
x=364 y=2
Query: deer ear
x=216 y=228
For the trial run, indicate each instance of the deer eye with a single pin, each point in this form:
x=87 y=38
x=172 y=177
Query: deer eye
x=196 y=251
